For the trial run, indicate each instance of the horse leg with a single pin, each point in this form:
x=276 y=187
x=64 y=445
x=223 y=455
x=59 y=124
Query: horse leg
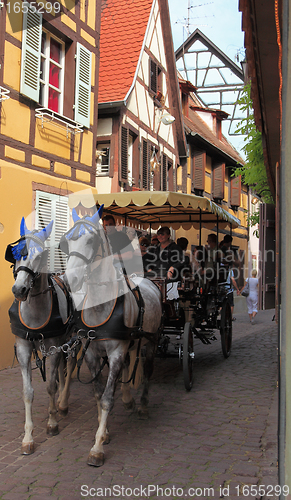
x=61 y=374
x=24 y=351
x=63 y=400
x=52 y=425
x=92 y=359
x=148 y=368
x=96 y=455
x=127 y=399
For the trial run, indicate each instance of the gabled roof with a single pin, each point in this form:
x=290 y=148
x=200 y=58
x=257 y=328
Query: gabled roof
x=196 y=127
x=120 y=45
x=198 y=35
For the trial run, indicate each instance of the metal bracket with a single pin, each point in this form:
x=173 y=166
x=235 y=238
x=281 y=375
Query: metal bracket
x=49 y=116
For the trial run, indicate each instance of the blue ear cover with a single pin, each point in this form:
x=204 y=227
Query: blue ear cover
x=97 y=216
x=75 y=215
x=45 y=232
x=23 y=228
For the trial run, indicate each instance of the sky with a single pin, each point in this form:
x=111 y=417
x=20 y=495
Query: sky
x=220 y=21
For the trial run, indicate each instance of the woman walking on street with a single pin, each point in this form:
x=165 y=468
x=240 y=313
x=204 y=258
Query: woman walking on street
x=252 y=299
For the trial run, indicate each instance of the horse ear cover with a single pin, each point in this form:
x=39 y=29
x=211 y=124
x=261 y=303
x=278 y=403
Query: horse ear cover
x=75 y=216
x=45 y=232
x=23 y=228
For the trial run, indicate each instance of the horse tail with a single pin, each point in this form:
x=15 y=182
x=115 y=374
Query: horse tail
x=138 y=375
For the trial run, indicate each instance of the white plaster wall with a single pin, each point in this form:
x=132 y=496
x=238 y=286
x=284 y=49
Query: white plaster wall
x=104 y=126
x=103 y=185
x=207 y=118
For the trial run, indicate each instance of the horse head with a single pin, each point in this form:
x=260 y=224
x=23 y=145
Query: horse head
x=81 y=244
x=29 y=258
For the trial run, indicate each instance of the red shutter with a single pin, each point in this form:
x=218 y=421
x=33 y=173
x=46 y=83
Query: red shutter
x=235 y=191
x=218 y=176
x=124 y=155
x=198 y=169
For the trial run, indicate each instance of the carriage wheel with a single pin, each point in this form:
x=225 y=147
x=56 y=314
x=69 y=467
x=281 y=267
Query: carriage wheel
x=226 y=329
x=188 y=356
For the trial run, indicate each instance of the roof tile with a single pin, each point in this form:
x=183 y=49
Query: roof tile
x=123 y=27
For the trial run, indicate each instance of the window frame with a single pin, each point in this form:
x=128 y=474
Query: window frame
x=61 y=65
x=103 y=144
x=31 y=65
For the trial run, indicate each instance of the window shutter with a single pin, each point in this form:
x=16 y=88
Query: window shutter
x=164 y=173
x=153 y=76
x=124 y=155
x=198 y=169
x=171 y=180
x=53 y=207
x=83 y=85
x=30 y=55
x=235 y=191
x=145 y=165
x=218 y=175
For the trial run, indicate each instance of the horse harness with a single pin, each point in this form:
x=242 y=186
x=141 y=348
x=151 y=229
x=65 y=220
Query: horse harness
x=52 y=328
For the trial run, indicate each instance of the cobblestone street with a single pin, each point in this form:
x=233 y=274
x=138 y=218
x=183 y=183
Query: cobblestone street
x=207 y=443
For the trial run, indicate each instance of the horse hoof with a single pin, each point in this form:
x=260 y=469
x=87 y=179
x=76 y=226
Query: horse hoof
x=27 y=448
x=63 y=412
x=96 y=459
x=130 y=405
x=143 y=413
x=52 y=430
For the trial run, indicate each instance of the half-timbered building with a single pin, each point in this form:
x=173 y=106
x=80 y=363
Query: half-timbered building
x=210 y=168
x=49 y=64
x=140 y=136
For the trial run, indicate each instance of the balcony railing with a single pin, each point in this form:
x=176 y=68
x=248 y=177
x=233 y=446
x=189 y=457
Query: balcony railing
x=60 y=121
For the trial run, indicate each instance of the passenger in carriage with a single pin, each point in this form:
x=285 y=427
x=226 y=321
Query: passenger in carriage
x=120 y=243
x=229 y=257
x=213 y=257
x=186 y=271
x=166 y=260
x=144 y=246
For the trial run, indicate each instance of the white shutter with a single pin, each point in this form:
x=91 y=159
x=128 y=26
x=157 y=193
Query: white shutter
x=53 y=207
x=83 y=86
x=30 y=56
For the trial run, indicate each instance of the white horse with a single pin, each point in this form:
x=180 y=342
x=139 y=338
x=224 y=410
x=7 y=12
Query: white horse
x=109 y=317
x=38 y=317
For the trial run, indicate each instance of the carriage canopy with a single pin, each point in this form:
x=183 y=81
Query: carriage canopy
x=151 y=209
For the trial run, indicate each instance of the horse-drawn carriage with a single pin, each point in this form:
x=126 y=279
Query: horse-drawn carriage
x=113 y=322
x=202 y=311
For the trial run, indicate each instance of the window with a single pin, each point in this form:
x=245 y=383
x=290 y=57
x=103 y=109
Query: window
x=102 y=159
x=145 y=164
x=53 y=207
x=155 y=80
x=43 y=66
x=52 y=72
x=129 y=158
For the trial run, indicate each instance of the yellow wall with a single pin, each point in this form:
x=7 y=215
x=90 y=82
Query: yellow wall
x=17 y=118
x=16 y=201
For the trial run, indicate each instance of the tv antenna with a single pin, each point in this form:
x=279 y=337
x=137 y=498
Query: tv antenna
x=186 y=20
